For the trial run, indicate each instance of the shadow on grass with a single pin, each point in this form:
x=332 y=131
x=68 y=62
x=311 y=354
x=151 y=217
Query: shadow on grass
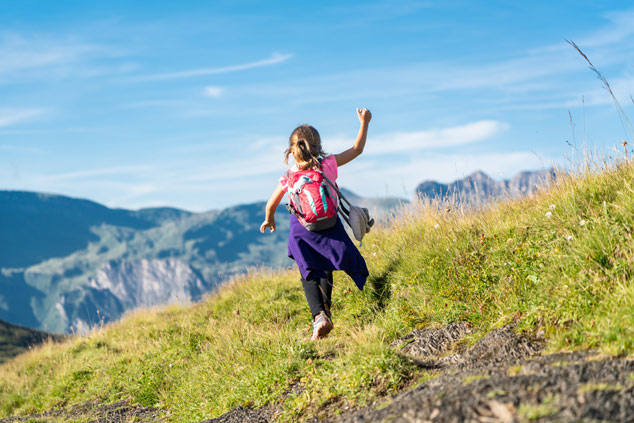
x=380 y=285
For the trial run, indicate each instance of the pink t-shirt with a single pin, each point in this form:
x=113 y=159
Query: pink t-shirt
x=328 y=166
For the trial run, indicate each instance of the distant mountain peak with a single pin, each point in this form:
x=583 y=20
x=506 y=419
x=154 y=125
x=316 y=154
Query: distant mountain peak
x=478 y=174
x=478 y=185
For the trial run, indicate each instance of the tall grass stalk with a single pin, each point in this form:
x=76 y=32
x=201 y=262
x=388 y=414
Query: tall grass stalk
x=606 y=85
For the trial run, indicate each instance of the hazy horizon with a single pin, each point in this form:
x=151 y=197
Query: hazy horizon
x=343 y=188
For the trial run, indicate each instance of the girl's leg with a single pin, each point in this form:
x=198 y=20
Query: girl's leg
x=325 y=286
x=318 y=294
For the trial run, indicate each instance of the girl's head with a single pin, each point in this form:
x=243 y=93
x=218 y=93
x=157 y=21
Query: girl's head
x=305 y=146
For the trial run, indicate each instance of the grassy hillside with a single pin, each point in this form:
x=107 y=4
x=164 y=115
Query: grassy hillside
x=16 y=339
x=560 y=262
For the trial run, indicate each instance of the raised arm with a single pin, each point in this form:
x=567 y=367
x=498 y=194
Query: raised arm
x=359 y=144
x=271 y=206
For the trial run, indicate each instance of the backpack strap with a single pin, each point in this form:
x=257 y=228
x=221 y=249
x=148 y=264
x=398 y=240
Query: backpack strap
x=334 y=186
x=343 y=210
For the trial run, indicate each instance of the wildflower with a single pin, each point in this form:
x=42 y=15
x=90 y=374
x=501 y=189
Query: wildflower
x=549 y=215
x=569 y=238
x=436 y=226
x=553 y=207
x=582 y=222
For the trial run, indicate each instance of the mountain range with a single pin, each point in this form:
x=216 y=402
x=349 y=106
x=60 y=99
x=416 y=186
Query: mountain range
x=479 y=186
x=68 y=264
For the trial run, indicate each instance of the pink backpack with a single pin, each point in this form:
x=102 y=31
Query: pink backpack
x=313 y=199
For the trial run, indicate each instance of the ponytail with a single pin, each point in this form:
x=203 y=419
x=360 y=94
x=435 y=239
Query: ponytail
x=306 y=154
x=305 y=146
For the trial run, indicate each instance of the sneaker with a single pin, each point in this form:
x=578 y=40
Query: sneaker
x=321 y=326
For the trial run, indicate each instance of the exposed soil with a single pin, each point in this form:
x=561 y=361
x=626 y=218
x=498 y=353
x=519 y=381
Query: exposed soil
x=502 y=378
x=118 y=412
x=427 y=345
x=246 y=414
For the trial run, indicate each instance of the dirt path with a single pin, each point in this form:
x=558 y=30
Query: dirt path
x=502 y=378
x=118 y=412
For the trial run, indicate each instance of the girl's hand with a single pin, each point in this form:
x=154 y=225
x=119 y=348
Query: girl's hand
x=271 y=205
x=359 y=144
x=364 y=115
x=268 y=224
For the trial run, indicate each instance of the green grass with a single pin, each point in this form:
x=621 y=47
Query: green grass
x=531 y=412
x=248 y=344
x=475 y=378
x=591 y=387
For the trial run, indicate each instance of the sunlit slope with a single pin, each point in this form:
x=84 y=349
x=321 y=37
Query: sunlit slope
x=560 y=262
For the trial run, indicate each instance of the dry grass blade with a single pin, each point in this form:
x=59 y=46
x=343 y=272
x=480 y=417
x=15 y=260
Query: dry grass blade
x=606 y=85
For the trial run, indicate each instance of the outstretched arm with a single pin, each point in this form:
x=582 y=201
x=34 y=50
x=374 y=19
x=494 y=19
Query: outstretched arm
x=271 y=206
x=359 y=144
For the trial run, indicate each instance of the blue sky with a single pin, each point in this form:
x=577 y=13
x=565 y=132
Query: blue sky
x=190 y=104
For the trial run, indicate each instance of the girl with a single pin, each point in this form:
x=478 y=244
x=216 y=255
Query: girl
x=317 y=254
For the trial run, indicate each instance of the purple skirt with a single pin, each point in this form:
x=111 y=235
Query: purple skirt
x=330 y=249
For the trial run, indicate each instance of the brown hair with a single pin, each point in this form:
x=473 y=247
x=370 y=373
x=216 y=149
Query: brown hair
x=305 y=146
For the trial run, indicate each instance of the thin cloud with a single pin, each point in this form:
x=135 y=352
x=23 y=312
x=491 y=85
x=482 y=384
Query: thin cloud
x=14 y=117
x=274 y=59
x=46 y=57
x=21 y=149
x=598 y=96
x=156 y=103
x=19 y=54
x=621 y=27
x=438 y=138
x=107 y=171
x=133 y=191
x=213 y=92
x=49 y=131
x=403 y=142
x=222 y=170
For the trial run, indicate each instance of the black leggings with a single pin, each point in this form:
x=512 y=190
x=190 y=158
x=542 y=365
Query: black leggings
x=318 y=293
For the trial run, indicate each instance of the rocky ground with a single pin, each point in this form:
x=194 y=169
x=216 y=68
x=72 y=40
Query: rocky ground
x=502 y=378
x=119 y=412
